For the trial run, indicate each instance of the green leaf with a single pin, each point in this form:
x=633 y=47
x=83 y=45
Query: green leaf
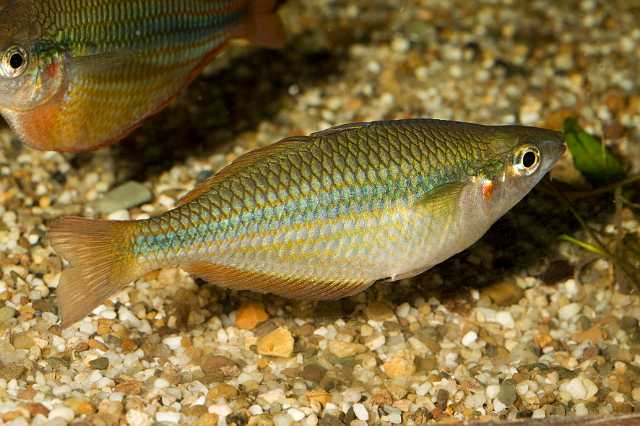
x=590 y=156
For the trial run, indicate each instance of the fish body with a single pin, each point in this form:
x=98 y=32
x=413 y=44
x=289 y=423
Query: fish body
x=78 y=74
x=319 y=217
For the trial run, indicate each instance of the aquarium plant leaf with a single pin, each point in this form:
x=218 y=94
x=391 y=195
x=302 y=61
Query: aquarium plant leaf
x=590 y=156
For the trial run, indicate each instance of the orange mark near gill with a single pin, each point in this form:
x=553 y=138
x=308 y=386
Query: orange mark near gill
x=487 y=189
x=52 y=70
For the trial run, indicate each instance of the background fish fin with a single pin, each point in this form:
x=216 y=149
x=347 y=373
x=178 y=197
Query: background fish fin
x=295 y=288
x=342 y=128
x=441 y=198
x=241 y=163
x=263 y=26
x=100 y=62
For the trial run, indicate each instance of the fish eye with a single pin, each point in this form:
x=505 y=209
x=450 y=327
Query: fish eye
x=527 y=160
x=14 y=62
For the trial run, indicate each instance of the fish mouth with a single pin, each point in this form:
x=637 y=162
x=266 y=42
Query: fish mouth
x=555 y=148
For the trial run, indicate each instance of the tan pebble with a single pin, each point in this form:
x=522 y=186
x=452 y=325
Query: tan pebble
x=207 y=419
x=277 y=343
x=594 y=335
x=104 y=326
x=129 y=388
x=381 y=397
x=96 y=344
x=44 y=202
x=36 y=408
x=345 y=349
x=263 y=363
x=129 y=345
x=79 y=406
x=222 y=390
x=318 y=395
x=112 y=409
x=27 y=393
x=12 y=415
x=503 y=293
x=399 y=366
x=402 y=405
x=250 y=315
x=614 y=100
x=378 y=311
x=22 y=341
x=543 y=339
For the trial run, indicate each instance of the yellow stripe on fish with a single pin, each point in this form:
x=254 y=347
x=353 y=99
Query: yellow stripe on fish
x=318 y=217
x=77 y=75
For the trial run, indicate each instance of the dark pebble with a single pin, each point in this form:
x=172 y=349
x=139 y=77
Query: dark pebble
x=330 y=420
x=507 y=394
x=101 y=363
x=442 y=399
x=558 y=271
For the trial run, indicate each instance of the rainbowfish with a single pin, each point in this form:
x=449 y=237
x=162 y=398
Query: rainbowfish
x=318 y=217
x=81 y=74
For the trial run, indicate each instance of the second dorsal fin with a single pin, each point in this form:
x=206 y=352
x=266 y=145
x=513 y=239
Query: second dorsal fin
x=342 y=128
x=241 y=163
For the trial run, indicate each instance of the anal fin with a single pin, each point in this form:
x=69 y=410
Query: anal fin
x=291 y=287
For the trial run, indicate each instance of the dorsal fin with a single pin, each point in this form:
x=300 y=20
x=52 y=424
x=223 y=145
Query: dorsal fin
x=242 y=162
x=342 y=128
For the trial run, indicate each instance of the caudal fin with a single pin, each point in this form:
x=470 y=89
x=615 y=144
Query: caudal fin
x=263 y=26
x=99 y=268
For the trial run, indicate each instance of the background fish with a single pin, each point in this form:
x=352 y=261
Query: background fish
x=319 y=217
x=78 y=74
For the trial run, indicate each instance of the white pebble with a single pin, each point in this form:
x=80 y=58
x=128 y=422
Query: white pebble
x=581 y=409
x=361 y=412
x=173 y=342
x=168 y=417
x=505 y=319
x=19 y=421
x=469 y=338
x=272 y=396
x=160 y=383
x=119 y=215
x=108 y=314
x=138 y=418
x=256 y=410
x=539 y=414
x=223 y=337
x=311 y=420
x=282 y=420
x=569 y=311
x=492 y=391
x=222 y=410
x=376 y=342
x=65 y=413
x=498 y=406
x=395 y=418
x=295 y=414
x=352 y=395
x=403 y=310
x=87 y=327
x=574 y=388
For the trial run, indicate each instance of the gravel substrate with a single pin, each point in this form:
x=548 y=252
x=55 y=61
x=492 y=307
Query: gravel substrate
x=506 y=330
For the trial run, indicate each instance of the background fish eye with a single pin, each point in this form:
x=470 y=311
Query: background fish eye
x=14 y=61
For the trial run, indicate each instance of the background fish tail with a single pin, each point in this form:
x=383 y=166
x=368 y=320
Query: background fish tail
x=99 y=265
x=263 y=26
